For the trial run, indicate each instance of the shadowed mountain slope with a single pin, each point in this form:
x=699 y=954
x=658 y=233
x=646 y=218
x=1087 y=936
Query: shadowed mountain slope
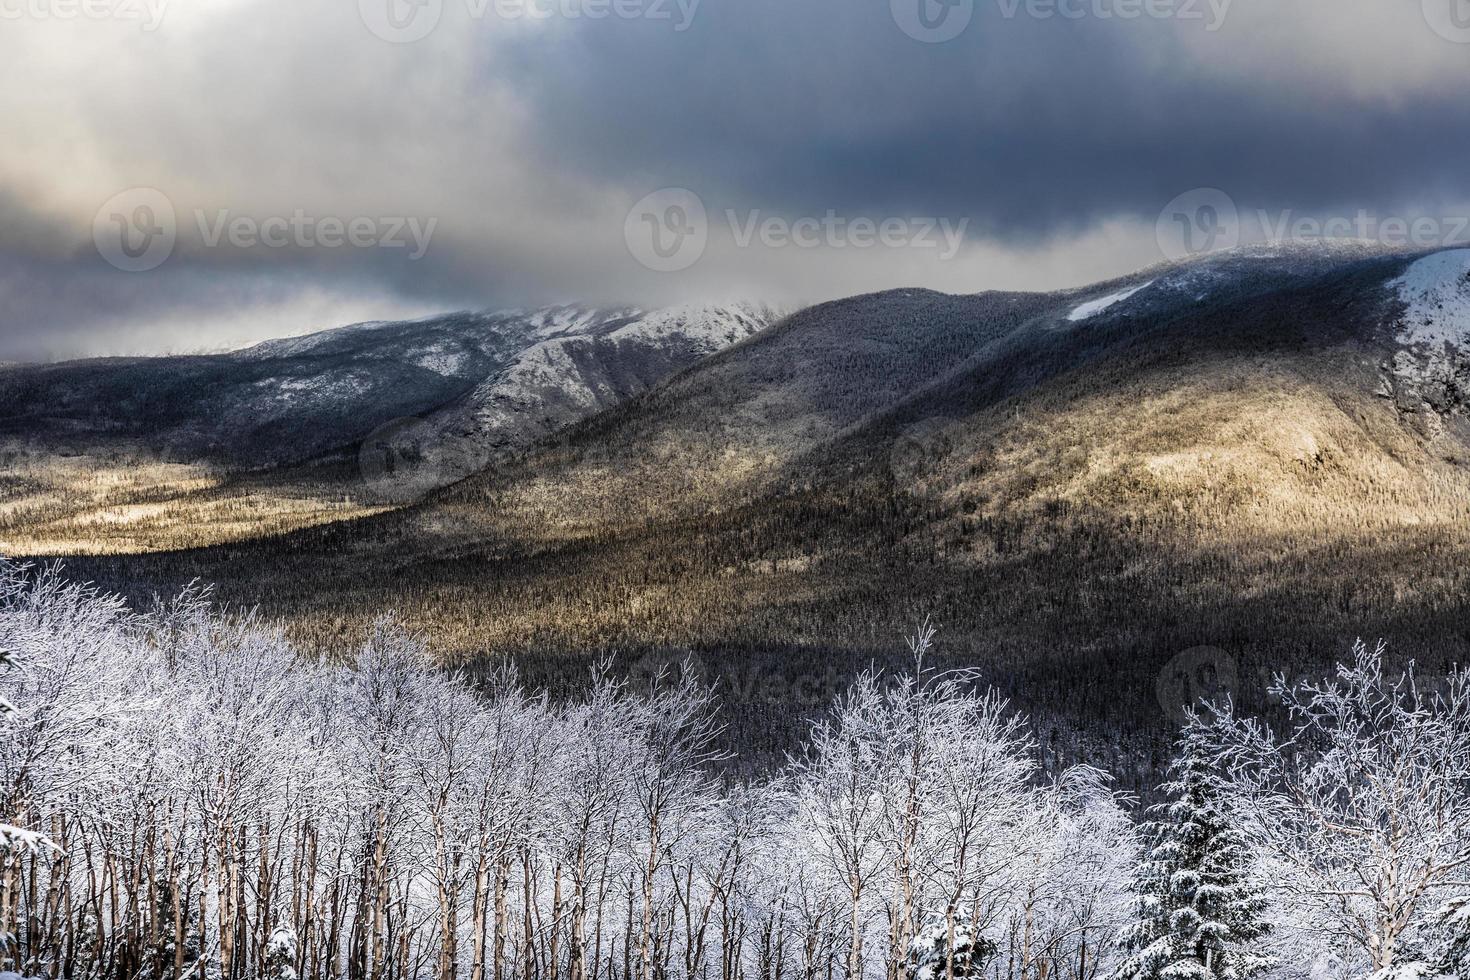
x=1112 y=499
x=156 y=453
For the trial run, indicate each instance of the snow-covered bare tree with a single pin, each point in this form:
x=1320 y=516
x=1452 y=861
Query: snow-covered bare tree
x=920 y=796
x=226 y=805
x=12 y=838
x=1071 y=866
x=840 y=782
x=1362 y=807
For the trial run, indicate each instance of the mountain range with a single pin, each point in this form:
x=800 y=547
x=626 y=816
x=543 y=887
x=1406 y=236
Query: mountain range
x=1110 y=499
x=126 y=453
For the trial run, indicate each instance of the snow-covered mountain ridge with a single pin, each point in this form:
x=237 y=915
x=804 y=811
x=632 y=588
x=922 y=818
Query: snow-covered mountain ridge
x=1223 y=462
x=1435 y=326
x=291 y=400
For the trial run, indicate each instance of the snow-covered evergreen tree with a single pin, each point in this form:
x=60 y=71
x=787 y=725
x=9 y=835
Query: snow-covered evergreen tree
x=929 y=951
x=1452 y=924
x=280 y=955
x=1200 y=916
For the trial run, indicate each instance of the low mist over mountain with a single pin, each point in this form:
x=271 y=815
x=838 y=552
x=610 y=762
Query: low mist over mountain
x=1246 y=461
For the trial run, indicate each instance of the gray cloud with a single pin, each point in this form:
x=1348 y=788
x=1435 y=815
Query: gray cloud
x=1032 y=128
x=1058 y=141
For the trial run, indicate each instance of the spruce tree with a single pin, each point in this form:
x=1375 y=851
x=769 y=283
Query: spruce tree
x=1200 y=917
x=280 y=955
x=929 y=956
x=1452 y=921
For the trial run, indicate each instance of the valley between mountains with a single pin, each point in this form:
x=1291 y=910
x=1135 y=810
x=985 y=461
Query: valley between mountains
x=1174 y=484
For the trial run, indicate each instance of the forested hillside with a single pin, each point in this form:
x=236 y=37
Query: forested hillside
x=1239 y=467
x=195 y=795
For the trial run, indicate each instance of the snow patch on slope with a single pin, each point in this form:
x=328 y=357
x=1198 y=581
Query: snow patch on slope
x=1435 y=328
x=702 y=330
x=307 y=343
x=1093 y=308
x=574 y=321
x=443 y=358
x=593 y=359
x=711 y=328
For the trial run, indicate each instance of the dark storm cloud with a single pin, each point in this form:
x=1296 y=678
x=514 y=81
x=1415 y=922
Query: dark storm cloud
x=1031 y=127
x=65 y=308
x=1057 y=140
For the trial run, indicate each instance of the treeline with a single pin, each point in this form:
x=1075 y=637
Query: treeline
x=221 y=804
x=193 y=796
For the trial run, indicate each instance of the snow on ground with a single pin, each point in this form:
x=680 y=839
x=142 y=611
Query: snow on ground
x=1436 y=292
x=713 y=327
x=1093 y=308
x=560 y=321
x=338 y=385
x=444 y=358
x=306 y=343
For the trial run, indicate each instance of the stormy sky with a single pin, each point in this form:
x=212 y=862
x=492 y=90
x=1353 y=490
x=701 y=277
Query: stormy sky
x=189 y=175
